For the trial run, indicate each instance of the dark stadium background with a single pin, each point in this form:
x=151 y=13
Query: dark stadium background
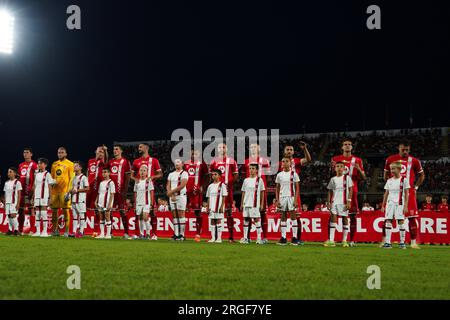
x=139 y=69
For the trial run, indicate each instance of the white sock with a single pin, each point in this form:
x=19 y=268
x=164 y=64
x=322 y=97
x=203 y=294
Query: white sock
x=16 y=224
x=102 y=227
x=344 y=233
x=182 y=226
x=413 y=242
x=108 y=228
x=212 y=228
x=294 y=227
x=11 y=224
x=75 y=225
x=141 y=227
x=245 y=236
x=219 y=231
x=283 y=229
x=147 y=226
x=388 y=232
x=332 y=231
x=82 y=222
x=44 y=219
x=258 y=230
x=176 y=226
x=37 y=223
x=402 y=233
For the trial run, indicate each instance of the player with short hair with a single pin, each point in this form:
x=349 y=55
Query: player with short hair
x=229 y=169
x=197 y=171
x=253 y=203
x=217 y=194
x=355 y=170
x=80 y=186
x=120 y=174
x=62 y=173
x=104 y=203
x=395 y=203
x=154 y=172
x=94 y=171
x=263 y=170
x=411 y=168
x=287 y=190
x=13 y=193
x=296 y=165
x=42 y=194
x=428 y=205
x=27 y=170
x=339 y=202
x=176 y=191
x=143 y=200
x=443 y=206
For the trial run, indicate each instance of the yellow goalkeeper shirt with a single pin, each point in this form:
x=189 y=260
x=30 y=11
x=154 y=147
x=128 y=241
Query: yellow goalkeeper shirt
x=62 y=172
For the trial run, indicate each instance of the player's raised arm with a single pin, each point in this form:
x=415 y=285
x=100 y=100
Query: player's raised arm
x=307 y=157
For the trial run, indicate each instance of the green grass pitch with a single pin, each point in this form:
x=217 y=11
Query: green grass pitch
x=35 y=268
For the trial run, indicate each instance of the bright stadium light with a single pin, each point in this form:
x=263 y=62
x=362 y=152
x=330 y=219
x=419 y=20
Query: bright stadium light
x=6 y=32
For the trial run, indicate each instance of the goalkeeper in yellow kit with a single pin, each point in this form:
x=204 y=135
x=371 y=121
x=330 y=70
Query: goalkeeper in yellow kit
x=63 y=173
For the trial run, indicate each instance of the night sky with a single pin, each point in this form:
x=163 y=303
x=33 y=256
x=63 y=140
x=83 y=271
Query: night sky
x=139 y=69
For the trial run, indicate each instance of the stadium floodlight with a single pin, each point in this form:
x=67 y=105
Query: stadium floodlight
x=6 y=32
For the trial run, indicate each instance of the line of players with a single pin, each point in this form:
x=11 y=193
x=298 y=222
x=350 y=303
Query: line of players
x=105 y=186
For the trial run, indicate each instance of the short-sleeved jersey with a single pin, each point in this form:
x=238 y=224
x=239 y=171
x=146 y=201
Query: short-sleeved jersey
x=106 y=190
x=287 y=181
x=227 y=166
x=42 y=182
x=252 y=188
x=26 y=172
x=79 y=182
x=428 y=207
x=12 y=189
x=143 y=189
x=443 y=207
x=175 y=179
x=62 y=172
x=151 y=163
x=296 y=164
x=95 y=168
x=340 y=187
x=215 y=194
x=197 y=170
x=119 y=169
x=411 y=166
x=263 y=167
x=397 y=190
x=350 y=169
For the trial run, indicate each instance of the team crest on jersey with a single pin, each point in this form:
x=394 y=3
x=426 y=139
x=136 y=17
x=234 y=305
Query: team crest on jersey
x=92 y=168
x=403 y=169
x=221 y=168
x=23 y=172
x=114 y=169
x=191 y=171
x=346 y=170
x=58 y=172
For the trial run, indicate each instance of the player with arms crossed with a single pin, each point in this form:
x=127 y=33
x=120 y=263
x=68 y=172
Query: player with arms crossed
x=27 y=171
x=287 y=191
x=95 y=168
x=176 y=191
x=13 y=193
x=197 y=171
x=80 y=186
x=355 y=170
x=263 y=170
x=154 y=173
x=143 y=200
x=339 y=202
x=296 y=165
x=229 y=169
x=253 y=203
x=411 y=168
x=120 y=174
x=217 y=194
x=62 y=173
x=395 y=204
x=42 y=194
x=104 y=203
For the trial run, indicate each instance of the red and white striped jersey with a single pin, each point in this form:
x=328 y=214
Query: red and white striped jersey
x=151 y=163
x=79 y=182
x=215 y=194
x=252 y=188
x=287 y=181
x=340 y=187
x=27 y=171
x=411 y=166
x=42 y=182
x=95 y=168
x=143 y=189
x=263 y=167
x=349 y=169
x=106 y=190
x=12 y=189
x=227 y=166
x=396 y=188
x=119 y=169
x=197 y=170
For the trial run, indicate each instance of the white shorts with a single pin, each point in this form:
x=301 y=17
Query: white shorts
x=251 y=213
x=287 y=204
x=40 y=202
x=140 y=209
x=10 y=209
x=181 y=203
x=78 y=208
x=394 y=211
x=215 y=215
x=339 y=210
